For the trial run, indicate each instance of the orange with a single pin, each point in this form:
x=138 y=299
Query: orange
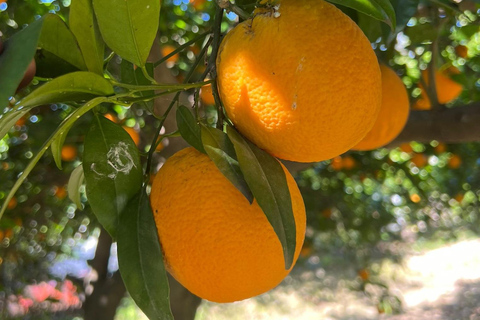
x=406 y=147
x=349 y=163
x=454 y=162
x=327 y=213
x=393 y=113
x=337 y=163
x=364 y=274
x=415 y=198
x=459 y=197
x=12 y=204
x=440 y=148
x=461 y=51
x=215 y=243
x=9 y=233
x=2 y=234
x=419 y=160
x=306 y=250
x=69 y=152
x=206 y=95
x=111 y=117
x=292 y=86
x=166 y=50
x=133 y=133
x=60 y=193
x=198 y=4
x=447 y=89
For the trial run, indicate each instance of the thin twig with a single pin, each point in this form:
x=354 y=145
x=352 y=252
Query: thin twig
x=231 y=7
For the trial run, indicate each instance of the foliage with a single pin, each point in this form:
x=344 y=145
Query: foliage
x=356 y=204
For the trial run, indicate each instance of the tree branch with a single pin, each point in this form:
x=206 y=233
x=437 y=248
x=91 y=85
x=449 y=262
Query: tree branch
x=453 y=125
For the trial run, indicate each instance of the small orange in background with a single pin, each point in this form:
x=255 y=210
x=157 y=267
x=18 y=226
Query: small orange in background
x=349 y=163
x=461 y=51
x=419 y=160
x=133 y=133
x=2 y=234
x=393 y=114
x=364 y=274
x=166 y=50
x=337 y=163
x=206 y=95
x=12 y=204
x=198 y=4
x=415 y=198
x=406 y=147
x=60 y=193
x=447 y=89
x=327 y=213
x=440 y=148
x=306 y=250
x=9 y=233
x=454 y=162
x=20 y=122
x=111 y=117
x=69 y=152
x=459 y=197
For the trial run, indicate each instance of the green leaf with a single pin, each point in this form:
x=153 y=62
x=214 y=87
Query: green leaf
x=135 y=76
x=267 y=180
x=51 y=66
x=17 y=54
x=68 y=122
x=129 y=27
x=140 y=259
x=221 y=151
x=8 y=120
x=81 y=85
x=113 y=172
x=74 y=183
x=57 y=145
x=379 y=9
x=57 y=39
x=189 y=129
x=85 y=28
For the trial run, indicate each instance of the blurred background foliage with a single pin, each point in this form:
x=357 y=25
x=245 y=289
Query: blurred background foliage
x=363 y=207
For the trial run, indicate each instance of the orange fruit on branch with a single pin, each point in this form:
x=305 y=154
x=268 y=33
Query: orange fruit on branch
x=69 y=152
x=393 y=113
x=447 y=89
x=293 y=87
x=215 y=243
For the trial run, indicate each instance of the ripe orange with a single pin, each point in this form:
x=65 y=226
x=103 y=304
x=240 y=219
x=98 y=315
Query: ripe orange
x=454 y=162
x=419 y=160
x=459 y=197
x=12 y=204
x=349 y=163
x=415 y=198
x=133 y=133
x=198 y=4
x=69 y=152
x=206 y=95
x=393 y=112
x=440 y=148
x=166 y=50
x=289 y=85
x=215 y=243
x=406 y=147
x=461 y=51
x=337 y=163
x=111 y=117
x=447 y=89
x=60 y=193
x=364 y=274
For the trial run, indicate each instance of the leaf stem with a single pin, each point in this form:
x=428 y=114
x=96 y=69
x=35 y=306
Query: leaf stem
x=170 y=107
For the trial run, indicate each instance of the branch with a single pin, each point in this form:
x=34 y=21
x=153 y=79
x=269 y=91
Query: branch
x=453 y=125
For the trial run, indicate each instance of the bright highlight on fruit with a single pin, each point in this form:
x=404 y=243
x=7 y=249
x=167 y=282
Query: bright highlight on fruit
x=291 y=87
x=393 y=113
x=215 y=243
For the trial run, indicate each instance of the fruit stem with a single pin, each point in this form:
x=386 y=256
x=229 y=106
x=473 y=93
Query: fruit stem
x=217 y=37
x=231 y=7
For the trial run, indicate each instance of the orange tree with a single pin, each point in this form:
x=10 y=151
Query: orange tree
x=143 y=68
